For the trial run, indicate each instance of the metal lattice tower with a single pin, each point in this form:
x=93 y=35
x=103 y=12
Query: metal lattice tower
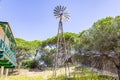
x=60 y=13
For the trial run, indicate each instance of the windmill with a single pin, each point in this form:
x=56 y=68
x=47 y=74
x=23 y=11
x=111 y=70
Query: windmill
x=60 y=12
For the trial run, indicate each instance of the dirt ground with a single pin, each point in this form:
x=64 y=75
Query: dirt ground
x=45 y=74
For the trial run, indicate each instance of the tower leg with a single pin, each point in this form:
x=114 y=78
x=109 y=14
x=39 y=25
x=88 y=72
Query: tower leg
x=54 y=71
x=66 y=70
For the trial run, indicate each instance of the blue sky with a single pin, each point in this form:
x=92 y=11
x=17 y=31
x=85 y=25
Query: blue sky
x=34 y=20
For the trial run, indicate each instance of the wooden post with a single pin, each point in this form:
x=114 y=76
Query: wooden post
x=6 y=74
x=2 y=71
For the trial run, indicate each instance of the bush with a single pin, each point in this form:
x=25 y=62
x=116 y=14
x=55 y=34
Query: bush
x=47 y=59
x=26 y=64
x=30 y=64
x=34 y=64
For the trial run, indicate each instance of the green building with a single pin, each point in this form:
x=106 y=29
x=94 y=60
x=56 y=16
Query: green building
x=7 y=46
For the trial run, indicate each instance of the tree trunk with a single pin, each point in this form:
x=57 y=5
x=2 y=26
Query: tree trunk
x=118 y=70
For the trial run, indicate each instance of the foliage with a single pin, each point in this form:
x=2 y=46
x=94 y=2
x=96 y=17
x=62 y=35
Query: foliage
x=103 y=37
x=26 y=49
x=30 y=46
x=47 y=59
x=30 y=63
x=34 y=64
x=26 y=63
x=69 y=36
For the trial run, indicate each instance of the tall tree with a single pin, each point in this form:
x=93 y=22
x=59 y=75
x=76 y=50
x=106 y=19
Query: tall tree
x=104 y=37
x=26 y=49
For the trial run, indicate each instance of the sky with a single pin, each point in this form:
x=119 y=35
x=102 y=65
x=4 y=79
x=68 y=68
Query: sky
x=34 y=19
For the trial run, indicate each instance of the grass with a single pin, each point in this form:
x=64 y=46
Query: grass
x=85 y=78
x=81 y=73
x=22 y=77
x=78 y=73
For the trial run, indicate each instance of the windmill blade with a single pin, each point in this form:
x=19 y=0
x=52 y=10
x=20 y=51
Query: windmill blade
x=65 y=19
x=60 y=7
x=64 y=8
x=57 y=13
x=66 y=12
x=67 y=15
x=55 y=10
x=57 y=7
